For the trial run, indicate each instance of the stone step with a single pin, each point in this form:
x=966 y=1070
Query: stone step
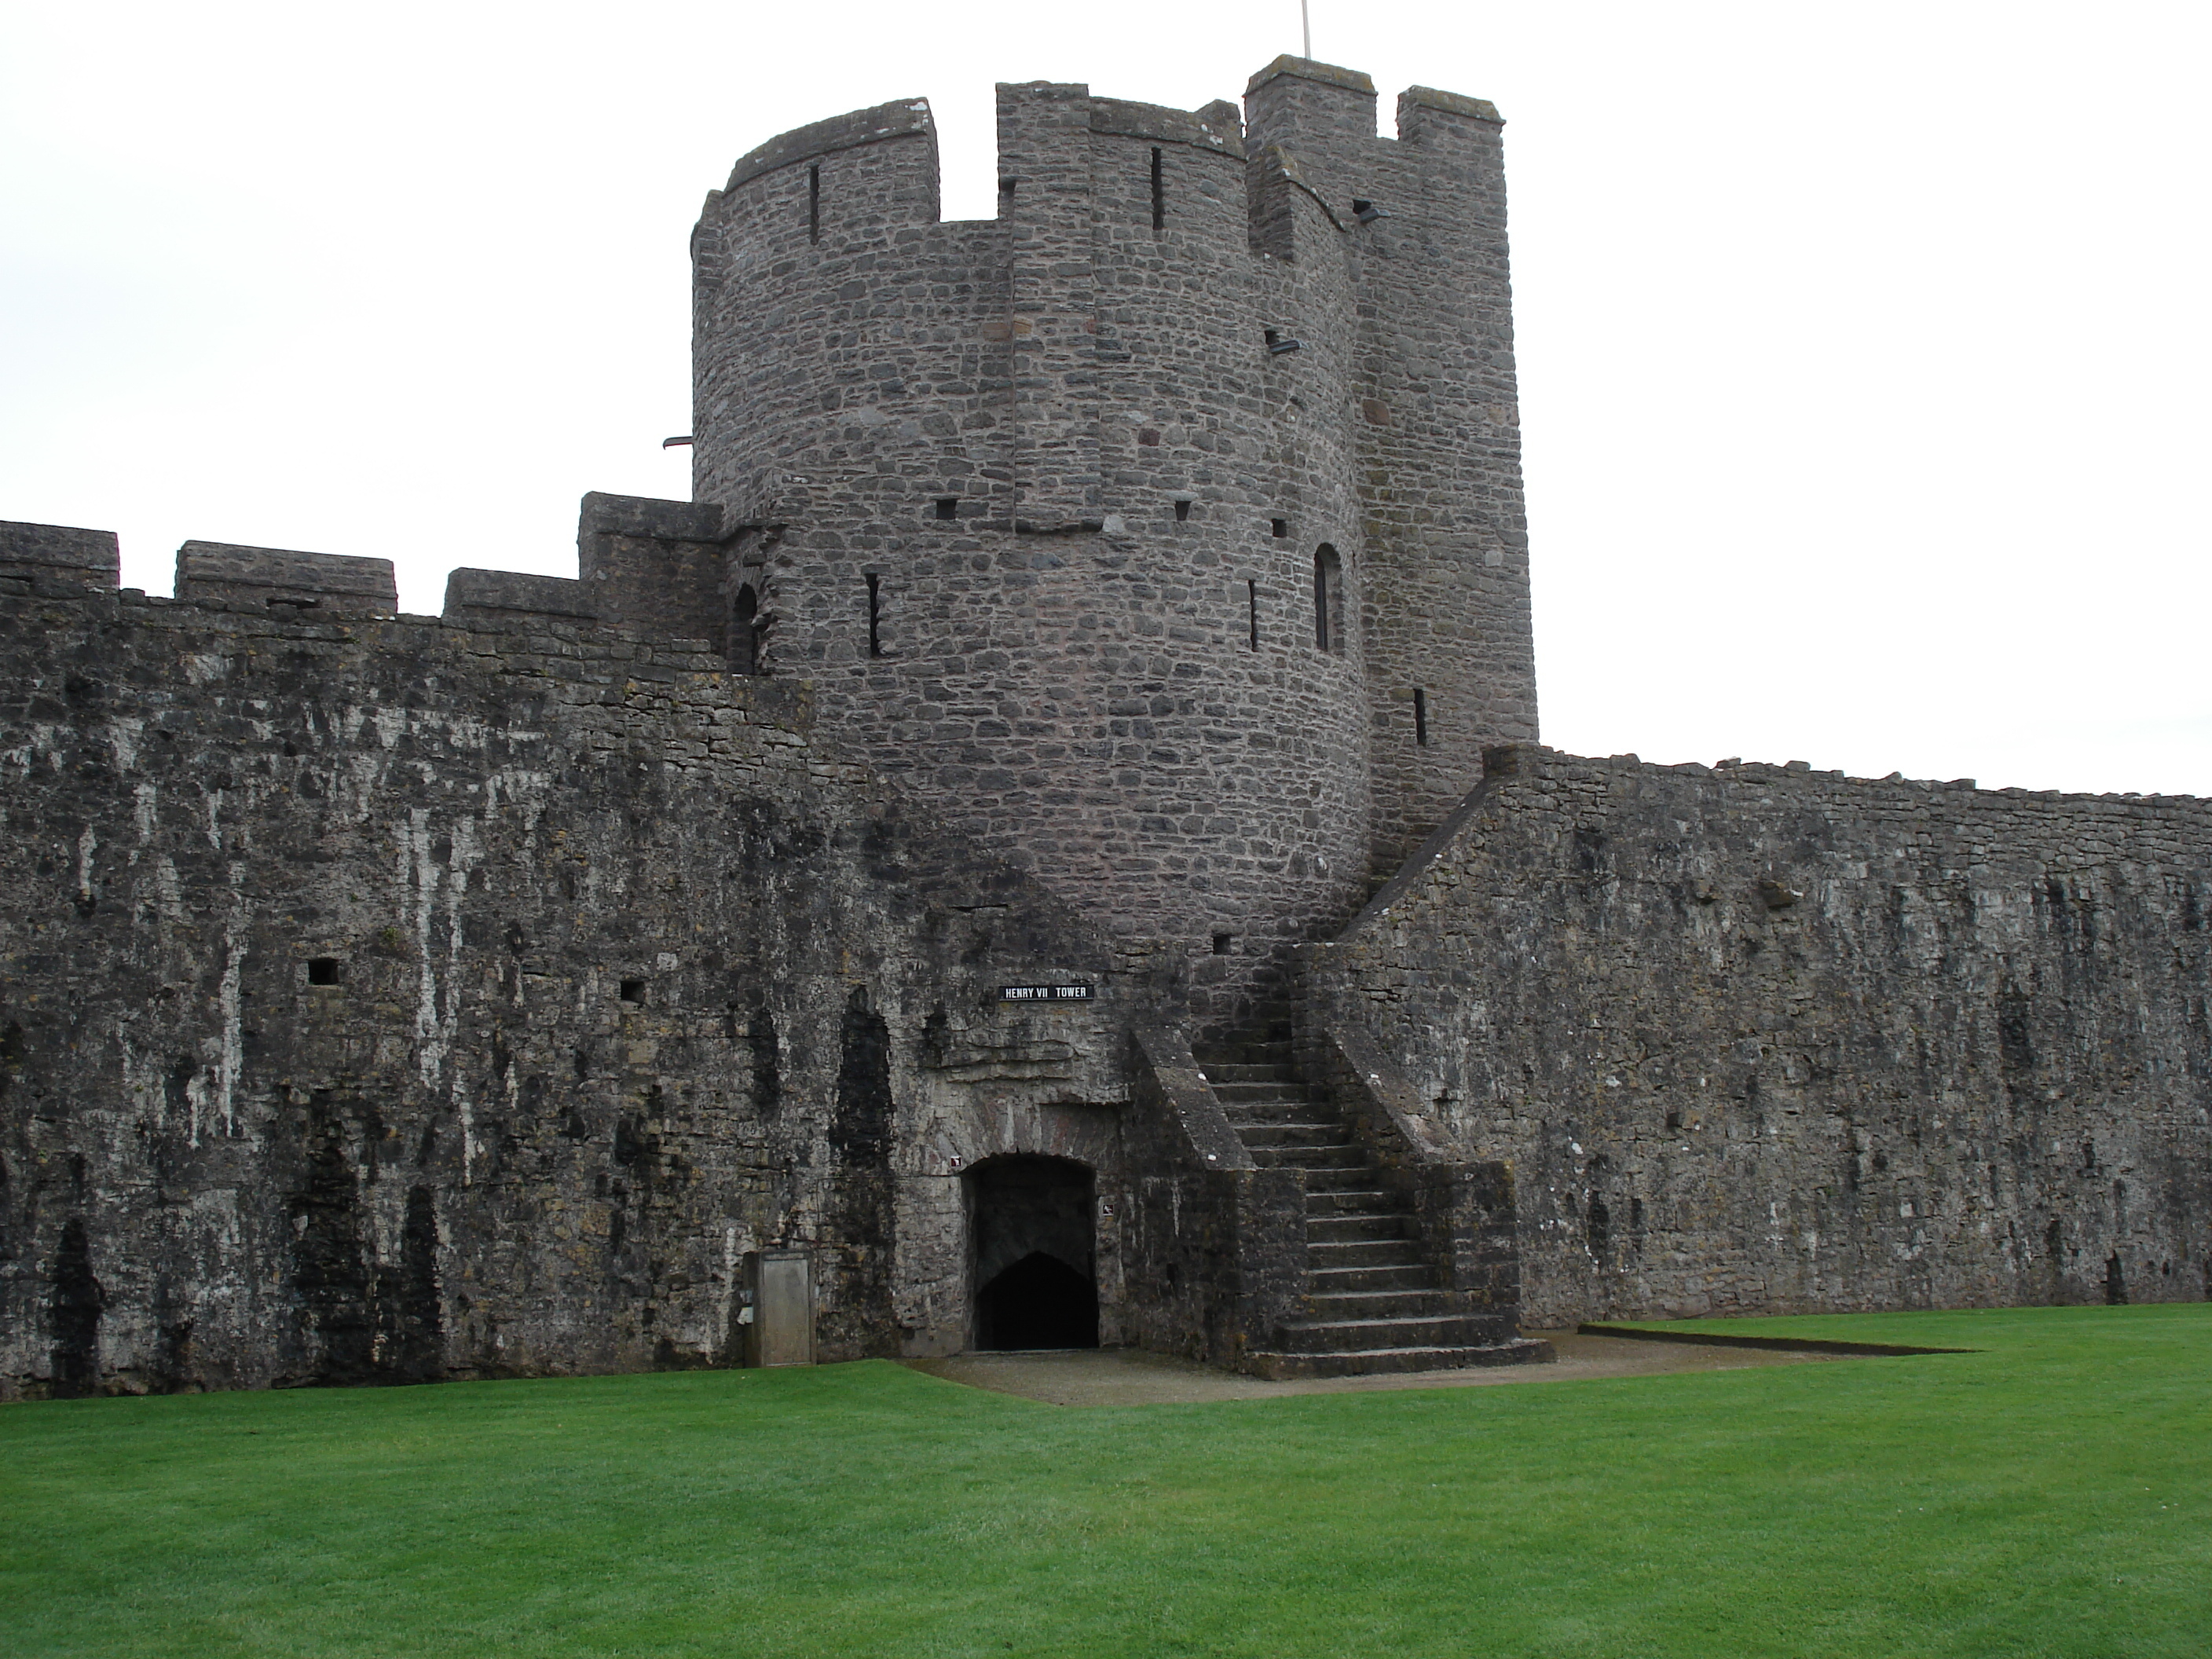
x=1348 y=1200
x=1257 y=1093
x=1332 y=1181
x=1396 y=1253
x=1373 y=1227
x=1324 y=1177
x=1283 y=1367
x=1428 y=1330
x=1343 y=1155
x=1242 y=1113
x=1405 y=1266
x=1294 y=1134
x=1235 y=1072
x=1336 y=1307
x=1257 y=1052
x=1329 y=1149
x=1329 y=1281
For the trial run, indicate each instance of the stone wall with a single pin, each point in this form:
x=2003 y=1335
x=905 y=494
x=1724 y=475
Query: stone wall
x=1758 y=1039
x=390 y=998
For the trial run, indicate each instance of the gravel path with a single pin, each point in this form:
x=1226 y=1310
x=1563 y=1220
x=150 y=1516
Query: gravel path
x=1130 y=1377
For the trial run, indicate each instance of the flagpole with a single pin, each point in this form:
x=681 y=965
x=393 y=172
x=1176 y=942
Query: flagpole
x=1305 y=27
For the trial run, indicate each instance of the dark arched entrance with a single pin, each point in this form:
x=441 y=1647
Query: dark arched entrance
x=1035 y=1284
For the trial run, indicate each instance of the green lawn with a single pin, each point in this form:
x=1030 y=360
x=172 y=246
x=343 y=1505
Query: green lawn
x=2051 y=1494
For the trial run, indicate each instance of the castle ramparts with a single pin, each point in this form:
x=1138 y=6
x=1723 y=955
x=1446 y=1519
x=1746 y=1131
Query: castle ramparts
x=1049 y=841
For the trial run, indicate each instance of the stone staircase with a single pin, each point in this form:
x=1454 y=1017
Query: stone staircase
x=1372 y=1304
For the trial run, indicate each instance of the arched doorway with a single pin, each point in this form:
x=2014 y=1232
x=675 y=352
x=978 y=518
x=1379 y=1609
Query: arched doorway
x=1034 y=1260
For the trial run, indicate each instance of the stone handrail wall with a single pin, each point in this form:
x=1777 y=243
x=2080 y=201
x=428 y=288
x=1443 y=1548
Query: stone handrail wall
x=1216 y=1255
x=1462 y=1207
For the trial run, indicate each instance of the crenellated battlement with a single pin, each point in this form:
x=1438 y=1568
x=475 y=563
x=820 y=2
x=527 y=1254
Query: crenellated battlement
x=853 y=172
x=322 y=584
x=641 y=565
x=45 y=558
x=902 y=118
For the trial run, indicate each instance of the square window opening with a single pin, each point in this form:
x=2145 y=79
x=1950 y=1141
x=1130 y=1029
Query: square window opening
x=633 y=990
x=324 y=970
x=948 y=507
x=1221 y=943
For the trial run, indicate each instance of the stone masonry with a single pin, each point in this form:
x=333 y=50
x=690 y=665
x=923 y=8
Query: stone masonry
x=937 y=853
x=389 y=998
x=1759 y=1039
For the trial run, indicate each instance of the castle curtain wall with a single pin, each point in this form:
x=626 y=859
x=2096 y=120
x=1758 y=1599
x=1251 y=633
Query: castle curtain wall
x=1759 y=1039
x=396 y=1000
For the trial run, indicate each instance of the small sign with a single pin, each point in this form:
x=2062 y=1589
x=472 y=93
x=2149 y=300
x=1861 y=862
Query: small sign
x=1046 y=994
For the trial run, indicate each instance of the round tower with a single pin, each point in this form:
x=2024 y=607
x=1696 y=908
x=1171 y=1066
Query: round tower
x=1062 y=512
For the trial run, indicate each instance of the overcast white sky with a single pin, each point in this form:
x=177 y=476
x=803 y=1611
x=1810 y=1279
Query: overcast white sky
x=1862 y=348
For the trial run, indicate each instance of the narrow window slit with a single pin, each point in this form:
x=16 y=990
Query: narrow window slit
x=814 y=203
x=875 y=616
x=1252 y=599
x=1420 y=717
x=1329 y=599
x=1160 y=194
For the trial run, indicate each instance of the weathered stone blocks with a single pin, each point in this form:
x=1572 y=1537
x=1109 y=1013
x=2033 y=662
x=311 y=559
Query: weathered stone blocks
x=1761 y=1039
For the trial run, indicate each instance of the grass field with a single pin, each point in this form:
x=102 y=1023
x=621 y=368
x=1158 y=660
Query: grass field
x=2051 y=1494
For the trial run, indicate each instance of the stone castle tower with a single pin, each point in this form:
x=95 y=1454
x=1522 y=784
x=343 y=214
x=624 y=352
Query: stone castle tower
x=1164 y=533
